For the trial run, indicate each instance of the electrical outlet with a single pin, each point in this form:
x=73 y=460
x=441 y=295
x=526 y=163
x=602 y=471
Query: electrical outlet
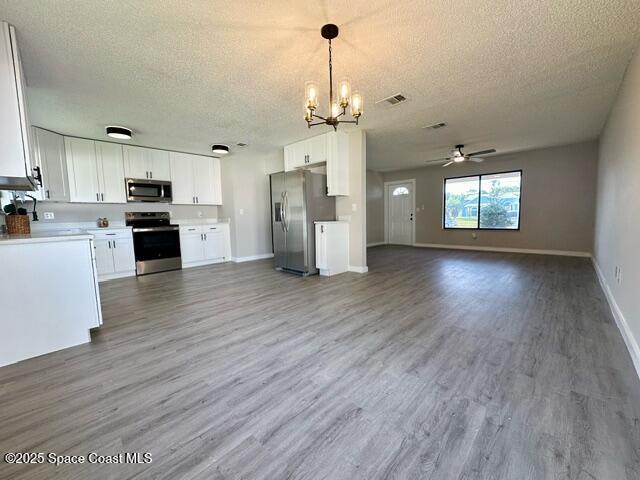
x=474 y=235
x=49 y=216
x=242 y=211
x=199 y=214
x=354 y=207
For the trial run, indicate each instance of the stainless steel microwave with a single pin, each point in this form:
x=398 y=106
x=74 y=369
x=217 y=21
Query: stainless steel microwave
x=141 y=190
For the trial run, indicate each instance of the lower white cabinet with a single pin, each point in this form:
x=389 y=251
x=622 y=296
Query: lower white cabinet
x=204 y=244
x=332 y=247
x=115 y=257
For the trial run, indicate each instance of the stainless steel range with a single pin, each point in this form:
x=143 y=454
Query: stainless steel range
x=156 y=242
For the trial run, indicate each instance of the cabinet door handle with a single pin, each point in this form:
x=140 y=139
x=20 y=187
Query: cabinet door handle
x=102 y=195
x=321 y=228
x=97 y=197
x=201 y=237
x=48 y=195
x=151 y=174
x=193 y=199
x=109 y=242
x=147 y=174
x=114 y=244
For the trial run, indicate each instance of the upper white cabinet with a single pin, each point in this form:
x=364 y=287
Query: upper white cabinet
x=331 y=149
x=110 y=172
x=195 y=179
x=141 y=162
x=96 y=171
x=15 y=132
x=337 y=163
x=50 y=157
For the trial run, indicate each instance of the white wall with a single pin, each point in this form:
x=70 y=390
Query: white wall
x=617 y=231
x=354 y=206
x=246 y=201
x=375 y=207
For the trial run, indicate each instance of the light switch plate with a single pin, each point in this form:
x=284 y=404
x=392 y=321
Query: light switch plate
x=354 y=207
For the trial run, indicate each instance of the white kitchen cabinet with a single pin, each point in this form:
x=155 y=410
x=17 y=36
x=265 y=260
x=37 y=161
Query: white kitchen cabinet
x=50 y=157
x=191 y=247
x=195 y=179
x=146 y=163
x=16 y=159
x=111 y=173
x=337 y=163
x=82 y=167
x=332 y=247
x=204 y=244
x=114 y=253
x=96 y=172
x=330 y=149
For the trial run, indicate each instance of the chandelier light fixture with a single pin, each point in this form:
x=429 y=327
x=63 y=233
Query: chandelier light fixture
x=338 y=106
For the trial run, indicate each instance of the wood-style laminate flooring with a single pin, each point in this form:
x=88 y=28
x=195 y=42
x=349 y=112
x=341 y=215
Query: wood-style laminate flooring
x=435 y=365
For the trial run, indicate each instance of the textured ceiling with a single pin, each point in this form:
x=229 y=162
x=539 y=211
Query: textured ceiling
x=511 y=75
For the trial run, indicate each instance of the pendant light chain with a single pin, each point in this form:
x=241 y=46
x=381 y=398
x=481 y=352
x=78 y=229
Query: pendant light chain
x=330 y=78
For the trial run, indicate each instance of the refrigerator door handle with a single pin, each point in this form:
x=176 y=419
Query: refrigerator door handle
x=285 y=211
x=282 y=212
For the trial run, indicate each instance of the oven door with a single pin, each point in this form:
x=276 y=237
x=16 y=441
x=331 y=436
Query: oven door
x=157 y=249
x=139 y=190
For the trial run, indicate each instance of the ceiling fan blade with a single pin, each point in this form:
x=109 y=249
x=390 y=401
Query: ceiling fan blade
x=438 y=160
x=482 y=152
x=447 y=164
x=476 y=159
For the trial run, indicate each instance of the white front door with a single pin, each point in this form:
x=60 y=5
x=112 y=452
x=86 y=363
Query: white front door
x=400 y=213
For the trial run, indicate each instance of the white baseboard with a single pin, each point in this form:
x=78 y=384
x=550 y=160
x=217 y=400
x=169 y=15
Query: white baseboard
x=251 y=258
x=376 y=244
x=621 y=322
x=358 y=269
x=113 y=276
x=536 y=251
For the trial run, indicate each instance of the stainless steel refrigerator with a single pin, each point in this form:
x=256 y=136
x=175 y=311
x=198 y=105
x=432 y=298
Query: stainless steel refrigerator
x=298 y=199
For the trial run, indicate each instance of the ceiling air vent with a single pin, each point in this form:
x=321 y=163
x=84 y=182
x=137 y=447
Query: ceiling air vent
x=241 y=144
x=393 y=99
x=435 y=126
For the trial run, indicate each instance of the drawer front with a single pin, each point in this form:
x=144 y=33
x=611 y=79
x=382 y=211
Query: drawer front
x=190 y=229
x=110 y=234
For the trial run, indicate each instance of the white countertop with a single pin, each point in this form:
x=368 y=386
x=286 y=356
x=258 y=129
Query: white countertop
x=43 y=237
x=330 y=221
x=200 y=221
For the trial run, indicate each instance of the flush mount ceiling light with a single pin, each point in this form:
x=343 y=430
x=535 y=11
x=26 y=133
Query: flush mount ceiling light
x=220 y=149
x=122 y=133
x=337 y=107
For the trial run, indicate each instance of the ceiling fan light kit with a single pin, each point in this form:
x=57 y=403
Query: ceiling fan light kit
x=345 y=98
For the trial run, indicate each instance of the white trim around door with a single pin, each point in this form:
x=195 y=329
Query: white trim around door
x=412 y=181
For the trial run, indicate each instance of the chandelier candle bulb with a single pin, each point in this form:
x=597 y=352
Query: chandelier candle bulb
x=311 y=95
x=356 y=105
x=344 y=90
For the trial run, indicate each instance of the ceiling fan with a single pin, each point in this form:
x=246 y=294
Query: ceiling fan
x=458 y=156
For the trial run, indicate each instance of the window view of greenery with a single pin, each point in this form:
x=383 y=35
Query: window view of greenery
x=485 y=202
x=461 y=202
